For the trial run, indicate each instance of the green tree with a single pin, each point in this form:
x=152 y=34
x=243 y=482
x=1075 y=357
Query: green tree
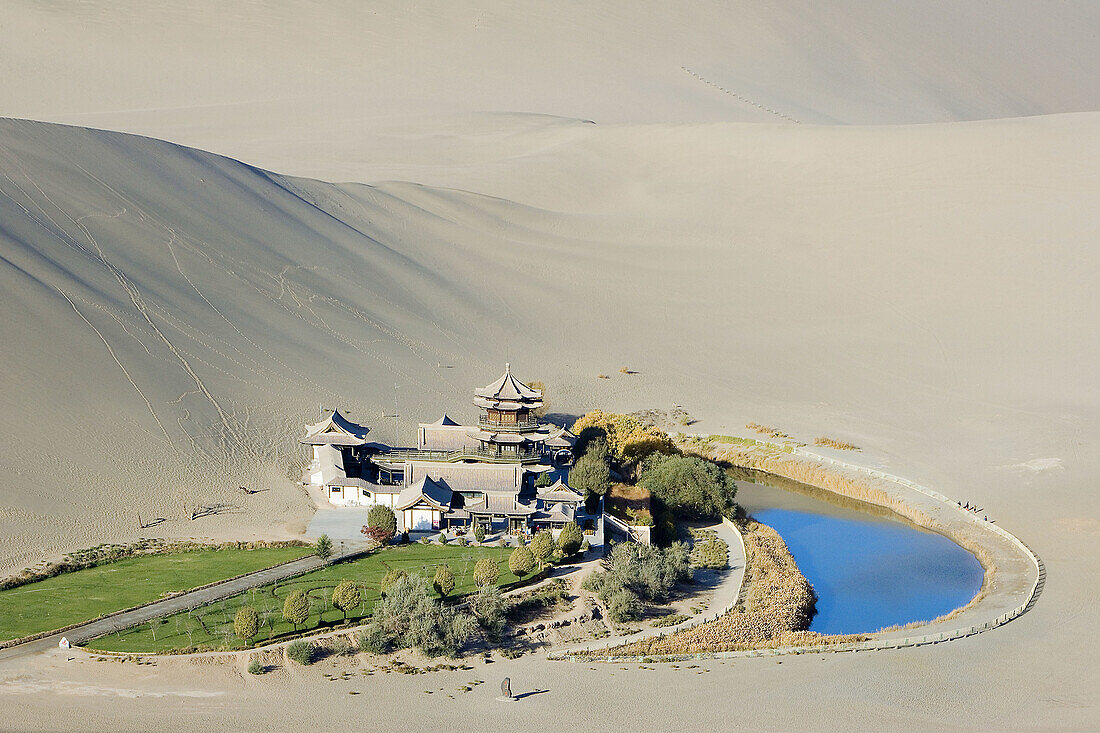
x=382 y=517
x=296 y=608
x=390 y=579
x=486 y=572
x=570 y=539
x=542 y=547
x=246 y=624
x=479 y=533
x=444 y=581
x=591 y=473
x=347 y=597
x=543 y=480
x=409 y=617
x=688 y=485
x=323 y=548
x=521 y=561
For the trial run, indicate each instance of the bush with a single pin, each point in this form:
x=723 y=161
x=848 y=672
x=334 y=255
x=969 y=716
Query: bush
x=623 y=605
x=688 y=485
x=323 y=548
x=489 y=608
x=246 y=624
x=461 y=542
x=521 y=561
x=390 y=579
x=377 y=534
x=347 y=597
x=425 y=541
x=479 y=533
x=372 y=639
x=254 y=667
x=570 y=539
x=300 y=651
x=486 y=572
x=383 y=518
x=296 y=608
x=542 y=547
x=408 y=617
x=670 y=620
x=444 y=581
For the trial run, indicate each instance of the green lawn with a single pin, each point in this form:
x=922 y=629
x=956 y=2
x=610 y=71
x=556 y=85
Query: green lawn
x=211 y=627
x=85 y=594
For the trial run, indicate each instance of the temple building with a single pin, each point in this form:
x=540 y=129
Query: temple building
x=457 y=475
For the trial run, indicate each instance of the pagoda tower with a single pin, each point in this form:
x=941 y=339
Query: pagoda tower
x=507 y=429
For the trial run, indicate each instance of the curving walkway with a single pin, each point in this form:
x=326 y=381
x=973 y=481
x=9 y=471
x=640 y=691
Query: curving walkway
x=722 y=602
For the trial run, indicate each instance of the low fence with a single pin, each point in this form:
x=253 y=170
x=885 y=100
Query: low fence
x=871 y=644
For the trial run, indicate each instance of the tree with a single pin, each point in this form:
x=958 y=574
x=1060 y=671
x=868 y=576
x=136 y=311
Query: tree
x=542 y=547
x=409 y=617
x=246 y=624
x=570 y=539
x=347 y=597
x=521 y=561
x=628 y=439
x=489 y=607
x=296 y=608
x=382 y=517
x=444 y=581
x=390 y=579
x=486 y=572
x=591 y=474
x=323 y=548
x=540 y=412
x=479 y=533
x=543 y=480
x=688 y=485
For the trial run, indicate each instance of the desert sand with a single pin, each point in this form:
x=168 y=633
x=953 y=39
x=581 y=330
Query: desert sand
x=873 y=223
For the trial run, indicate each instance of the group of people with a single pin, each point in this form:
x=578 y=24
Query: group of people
x=975 y=508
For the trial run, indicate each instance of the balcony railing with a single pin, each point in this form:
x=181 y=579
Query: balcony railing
x=507 y=427
x=468 y=454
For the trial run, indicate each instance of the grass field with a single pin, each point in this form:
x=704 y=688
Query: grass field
x=211 y=627
x=85 y=594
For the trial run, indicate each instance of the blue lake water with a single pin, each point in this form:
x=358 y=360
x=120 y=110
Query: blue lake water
x=869 y=567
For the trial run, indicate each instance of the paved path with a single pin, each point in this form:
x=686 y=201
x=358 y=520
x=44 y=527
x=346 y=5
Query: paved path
x=724 y=598
x=182 y=602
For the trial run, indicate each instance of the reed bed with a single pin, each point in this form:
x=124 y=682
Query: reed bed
x=832 y=443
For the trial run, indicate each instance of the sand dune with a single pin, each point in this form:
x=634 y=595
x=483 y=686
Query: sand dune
x=571 y=189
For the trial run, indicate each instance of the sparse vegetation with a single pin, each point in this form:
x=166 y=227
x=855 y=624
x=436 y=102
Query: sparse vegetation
x=635 y=573
x=837 y=444
x=709 y=550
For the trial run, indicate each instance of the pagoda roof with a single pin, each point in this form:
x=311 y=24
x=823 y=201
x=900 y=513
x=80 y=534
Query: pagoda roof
x=445 y=421
x=431 y=492
x=503 y=437
x=507 y=392
x=335 y=429
x=561 y=438
x=505 y=504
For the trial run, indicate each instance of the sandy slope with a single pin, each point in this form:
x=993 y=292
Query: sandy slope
x=569 y=199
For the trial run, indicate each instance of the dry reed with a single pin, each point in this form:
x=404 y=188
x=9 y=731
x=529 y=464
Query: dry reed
x=832 y=443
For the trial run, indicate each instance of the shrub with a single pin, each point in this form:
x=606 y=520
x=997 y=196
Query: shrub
x=372 y=639
x=688 y=485
x=323 y=548
x=570 y=539
x=479 y=533
x=489 y=608
x=383 y=518
x=296 y=608
x=462 y=542
x=623 y=605
x=444 y=581
x=405 y=537
x=377 y=535
x=486 y=572
x=300 y=651
x=408 y=617
x=390 y=579
x=542 y=547
x=347 y=597
x=425 y=541
x=254 y=667
x=521 y=561
x=246 y=624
